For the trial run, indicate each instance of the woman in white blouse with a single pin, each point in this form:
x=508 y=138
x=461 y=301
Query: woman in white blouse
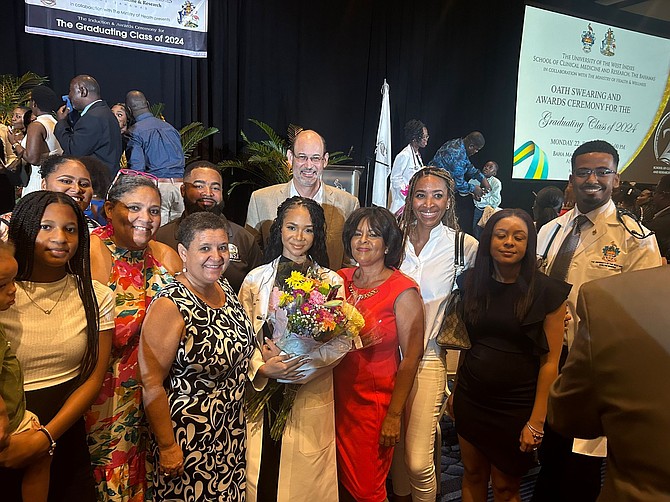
x=60 y=328
x=407 y=162
x=429 y=229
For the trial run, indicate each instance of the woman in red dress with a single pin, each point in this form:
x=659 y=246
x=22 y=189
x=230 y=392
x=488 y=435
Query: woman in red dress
x=372 y=384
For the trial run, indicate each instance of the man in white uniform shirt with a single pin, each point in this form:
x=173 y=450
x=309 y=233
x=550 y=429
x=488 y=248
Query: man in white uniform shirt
x=308 y=158
x=608 y=244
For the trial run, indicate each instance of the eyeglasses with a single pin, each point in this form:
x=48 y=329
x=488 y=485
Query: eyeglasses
x=302 y=158
x=600 y=172
x=131 y=172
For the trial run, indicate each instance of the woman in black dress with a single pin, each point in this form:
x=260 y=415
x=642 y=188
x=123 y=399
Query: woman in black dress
x=193 y=357
x=514 y=315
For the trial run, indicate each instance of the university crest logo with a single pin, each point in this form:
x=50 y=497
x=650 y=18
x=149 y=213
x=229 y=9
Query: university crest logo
x=588 y=39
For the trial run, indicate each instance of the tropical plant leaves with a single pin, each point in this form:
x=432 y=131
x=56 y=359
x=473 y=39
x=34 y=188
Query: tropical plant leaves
x=15 y=91
x=192 y=134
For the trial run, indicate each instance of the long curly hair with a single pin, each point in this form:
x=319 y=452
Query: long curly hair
x=477 y=295
x=408 y=218
x=23 y=229
x=317 y=252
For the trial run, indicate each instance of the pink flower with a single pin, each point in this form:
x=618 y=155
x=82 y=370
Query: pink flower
x=274 y=298
x=316 y=298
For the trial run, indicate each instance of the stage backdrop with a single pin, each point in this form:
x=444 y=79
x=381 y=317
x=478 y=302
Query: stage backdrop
x=171 y=26
x=580 y=80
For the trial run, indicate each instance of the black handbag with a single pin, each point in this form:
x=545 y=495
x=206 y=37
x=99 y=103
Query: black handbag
x=453 y=333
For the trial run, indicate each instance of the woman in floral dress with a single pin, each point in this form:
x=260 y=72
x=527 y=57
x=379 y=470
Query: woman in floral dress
x=124 y=257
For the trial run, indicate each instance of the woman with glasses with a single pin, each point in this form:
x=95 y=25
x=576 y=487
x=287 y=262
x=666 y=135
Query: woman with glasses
x=125 y=257
x=407 y=162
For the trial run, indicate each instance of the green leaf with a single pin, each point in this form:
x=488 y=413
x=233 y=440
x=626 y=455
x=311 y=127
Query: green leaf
x=15 y=91
x=192 y=134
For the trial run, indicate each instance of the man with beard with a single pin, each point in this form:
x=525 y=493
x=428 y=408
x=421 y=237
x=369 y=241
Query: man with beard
x=202 y=190
x=307 y=157
x=591 y=241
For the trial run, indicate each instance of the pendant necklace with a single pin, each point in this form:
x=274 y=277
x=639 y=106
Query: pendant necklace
x=46 y=311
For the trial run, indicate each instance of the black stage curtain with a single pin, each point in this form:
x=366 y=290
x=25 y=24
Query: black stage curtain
x=450 y=63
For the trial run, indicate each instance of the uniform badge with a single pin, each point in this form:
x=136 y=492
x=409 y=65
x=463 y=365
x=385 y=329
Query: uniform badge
x=609 y=258
x=234 y=252
x=610 y=253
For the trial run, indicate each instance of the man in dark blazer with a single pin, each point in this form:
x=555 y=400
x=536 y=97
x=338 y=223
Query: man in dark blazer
x=615 y=382
x=308 y=158
x=660 y=224
x=95 y=131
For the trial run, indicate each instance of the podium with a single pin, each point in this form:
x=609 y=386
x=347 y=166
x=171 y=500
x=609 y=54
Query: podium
x=347 y=178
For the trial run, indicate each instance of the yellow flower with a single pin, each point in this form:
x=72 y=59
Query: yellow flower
x=295 y=278
x=285 y=299
x=356 y=321
x=305 y=285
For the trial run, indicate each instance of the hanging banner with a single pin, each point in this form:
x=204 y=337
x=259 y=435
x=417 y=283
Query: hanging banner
x=171 y=26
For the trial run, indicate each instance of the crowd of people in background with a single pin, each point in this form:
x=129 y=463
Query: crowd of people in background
x=136 y=321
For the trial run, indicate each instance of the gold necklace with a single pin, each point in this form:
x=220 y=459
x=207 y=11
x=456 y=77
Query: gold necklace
x=363 y=296
x=46 y=311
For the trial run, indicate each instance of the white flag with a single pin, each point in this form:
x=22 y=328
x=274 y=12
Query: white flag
x=382 y=151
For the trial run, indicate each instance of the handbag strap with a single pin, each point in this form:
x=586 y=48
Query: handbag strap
x=459 y=254
x=459 y=258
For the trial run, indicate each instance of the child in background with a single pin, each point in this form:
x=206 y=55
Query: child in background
x=14 y=418
x=491 y=198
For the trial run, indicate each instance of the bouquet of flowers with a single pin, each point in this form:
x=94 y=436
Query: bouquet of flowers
x=309 y=320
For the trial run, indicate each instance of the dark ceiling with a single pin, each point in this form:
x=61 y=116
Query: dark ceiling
x=655 y=9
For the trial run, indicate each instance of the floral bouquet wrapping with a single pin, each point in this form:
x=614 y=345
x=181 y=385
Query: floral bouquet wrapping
x=309 y=320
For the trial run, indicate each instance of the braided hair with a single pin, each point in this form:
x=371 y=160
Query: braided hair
x=318 y=251
x=408 y=218
x=23 y=230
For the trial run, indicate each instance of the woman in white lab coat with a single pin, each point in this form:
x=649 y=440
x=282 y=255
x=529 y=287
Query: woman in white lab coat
x=302 y=466
x=407 y=162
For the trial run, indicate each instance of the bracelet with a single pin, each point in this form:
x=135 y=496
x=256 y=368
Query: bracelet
x=46 y=432
x=537 y=434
